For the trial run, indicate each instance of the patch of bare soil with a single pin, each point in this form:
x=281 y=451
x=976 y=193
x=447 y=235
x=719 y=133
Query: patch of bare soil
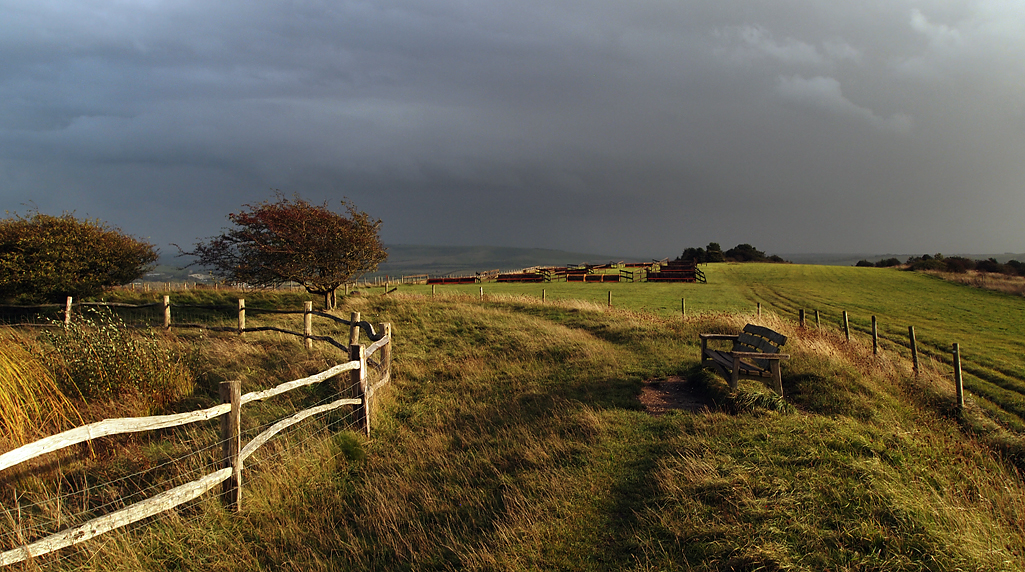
x=662 y=395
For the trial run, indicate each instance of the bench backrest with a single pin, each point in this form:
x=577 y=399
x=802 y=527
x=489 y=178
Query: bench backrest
x=759 y=339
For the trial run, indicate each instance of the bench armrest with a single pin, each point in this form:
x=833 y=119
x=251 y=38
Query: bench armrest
x=759 y=355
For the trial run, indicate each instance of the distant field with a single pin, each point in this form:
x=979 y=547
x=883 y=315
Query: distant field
x=989 y=326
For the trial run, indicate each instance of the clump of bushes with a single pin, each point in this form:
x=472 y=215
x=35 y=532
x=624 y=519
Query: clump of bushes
x=885 y=263
x=98 y=356
x=48 y=258
x=739 y=253
x=961 y=265
x=953 y=264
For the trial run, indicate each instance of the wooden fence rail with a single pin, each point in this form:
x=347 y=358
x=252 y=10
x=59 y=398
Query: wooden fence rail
x=229 y=475
x=307 y=312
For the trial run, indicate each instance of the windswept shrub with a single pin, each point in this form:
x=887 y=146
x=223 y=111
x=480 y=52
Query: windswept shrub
x=29 y=397
x=959 y=264
x=98 y=357
x=47 y=258
x=990 y=265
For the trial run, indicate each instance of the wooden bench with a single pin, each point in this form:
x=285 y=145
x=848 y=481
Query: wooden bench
x=755 y=355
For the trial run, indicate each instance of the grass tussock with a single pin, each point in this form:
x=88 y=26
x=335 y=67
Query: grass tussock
x=512 y=438
x=31 y=403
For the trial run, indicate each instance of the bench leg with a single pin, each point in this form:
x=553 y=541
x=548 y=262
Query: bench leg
x=777 y=376
x=735 y=374
x=704 y=347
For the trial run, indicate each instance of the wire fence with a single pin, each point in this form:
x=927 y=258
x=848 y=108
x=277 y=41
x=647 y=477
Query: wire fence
x=62 y=495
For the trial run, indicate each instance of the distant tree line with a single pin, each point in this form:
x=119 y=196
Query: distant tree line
x=955 y=264
x=714 y=253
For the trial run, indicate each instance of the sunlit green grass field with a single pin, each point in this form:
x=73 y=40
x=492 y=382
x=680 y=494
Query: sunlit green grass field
x=988 y=326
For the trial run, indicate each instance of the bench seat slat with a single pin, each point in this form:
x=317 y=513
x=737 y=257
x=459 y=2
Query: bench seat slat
x=756 y=343
x=755 y=354
x=725 y=359
x=763 y=332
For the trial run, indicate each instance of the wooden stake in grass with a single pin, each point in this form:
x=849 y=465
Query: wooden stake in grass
x=359 y=384
x=683 y=306
x=543 y=295
x=167 y=312
x=759 y=309
x=914 y=349
x=846 y=326
x=958 y=381
x=610 y=298
x=800 y=315
x=817 y=319
x=875 y=337
x=481 y=293
x=231 y=444
x=308 y=324
x=353 y=328
x=67 y=312
x=241 y=316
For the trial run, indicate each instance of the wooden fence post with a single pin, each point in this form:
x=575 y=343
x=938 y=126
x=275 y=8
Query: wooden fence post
x=846 y=326
x=308 y=324
x=817 y=325
x=543 y=295
x=241 y=316
x=386 y=352
x=610 y=298
x=875 y=337
x=354 y=328
x=759 y=309
x=167 y=312
x=800 y=316
x=433 y=289
x=481 y=293
x=358 y=379
x=914 y=349
x=958 y=381
x=683 y=306
x=231 y=444
x=67 y=312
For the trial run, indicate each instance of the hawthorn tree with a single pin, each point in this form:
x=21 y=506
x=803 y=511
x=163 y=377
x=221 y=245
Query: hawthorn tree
x=291 y=240
x=48 y=258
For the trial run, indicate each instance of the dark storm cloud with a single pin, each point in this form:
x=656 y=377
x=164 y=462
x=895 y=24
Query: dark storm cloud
x=622 y=127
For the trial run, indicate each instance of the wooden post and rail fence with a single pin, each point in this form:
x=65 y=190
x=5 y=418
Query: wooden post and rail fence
x=958 y=377
x=233 y=454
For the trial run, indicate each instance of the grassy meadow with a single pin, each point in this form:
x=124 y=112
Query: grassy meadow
x=988 y=325
x=512 y=438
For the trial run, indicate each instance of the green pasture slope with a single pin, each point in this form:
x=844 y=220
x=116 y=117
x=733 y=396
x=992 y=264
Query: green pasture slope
x=989 y=326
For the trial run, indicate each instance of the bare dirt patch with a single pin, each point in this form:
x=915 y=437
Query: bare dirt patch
x=660 y=396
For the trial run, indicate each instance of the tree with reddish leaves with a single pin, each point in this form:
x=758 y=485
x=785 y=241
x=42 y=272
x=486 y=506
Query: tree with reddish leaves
x=292 y=240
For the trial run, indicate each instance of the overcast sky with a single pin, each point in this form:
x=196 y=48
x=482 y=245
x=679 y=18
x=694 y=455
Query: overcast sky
x=608 y=126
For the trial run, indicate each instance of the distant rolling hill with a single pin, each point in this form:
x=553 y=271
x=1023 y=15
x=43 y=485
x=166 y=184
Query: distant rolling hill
x=406 y=259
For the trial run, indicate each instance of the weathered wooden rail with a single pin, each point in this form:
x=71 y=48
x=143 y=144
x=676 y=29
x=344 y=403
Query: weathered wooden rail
x=233 y=454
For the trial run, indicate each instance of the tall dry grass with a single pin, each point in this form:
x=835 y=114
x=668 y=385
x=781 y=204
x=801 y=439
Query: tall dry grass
x=1014 y=285
x=31 y=403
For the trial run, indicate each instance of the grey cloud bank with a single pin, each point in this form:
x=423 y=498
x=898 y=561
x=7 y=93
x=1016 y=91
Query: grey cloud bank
x=630 y=127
